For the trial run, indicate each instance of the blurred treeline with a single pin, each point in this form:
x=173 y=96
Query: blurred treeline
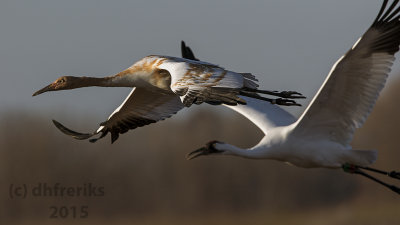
x=147 y=179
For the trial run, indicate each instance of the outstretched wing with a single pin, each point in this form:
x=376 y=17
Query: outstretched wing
x=197 y=82
x=264 y=114
x=140 y=108
x=351 y=89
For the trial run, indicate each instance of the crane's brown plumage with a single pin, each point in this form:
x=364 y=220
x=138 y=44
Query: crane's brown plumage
x=162 y=86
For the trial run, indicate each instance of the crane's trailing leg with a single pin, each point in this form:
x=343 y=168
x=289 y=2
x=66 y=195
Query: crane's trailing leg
x=285 y=99
x=278 y=101
x=392 y=174
x=349 y=168
x=282 y=94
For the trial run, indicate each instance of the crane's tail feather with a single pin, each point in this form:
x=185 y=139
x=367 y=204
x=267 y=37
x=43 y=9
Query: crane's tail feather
x=249 y=76
x=74 y=134
x=362 y=157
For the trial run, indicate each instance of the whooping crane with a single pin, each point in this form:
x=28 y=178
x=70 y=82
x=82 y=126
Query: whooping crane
x=321 y=136
x=163 y=85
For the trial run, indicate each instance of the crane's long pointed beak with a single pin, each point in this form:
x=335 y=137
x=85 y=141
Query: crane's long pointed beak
x=196 y=153
x=49 y=87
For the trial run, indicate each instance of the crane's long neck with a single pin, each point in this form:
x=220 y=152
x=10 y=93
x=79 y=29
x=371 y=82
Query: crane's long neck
x=257 y=152
x=110 y=81
x=94 y=81
x=70 y=82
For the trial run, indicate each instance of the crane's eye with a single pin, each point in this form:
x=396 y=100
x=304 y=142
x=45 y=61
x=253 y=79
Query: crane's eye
x=61 y=80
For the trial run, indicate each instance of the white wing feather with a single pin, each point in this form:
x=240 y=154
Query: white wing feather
x=263 y=114
x=351 y=89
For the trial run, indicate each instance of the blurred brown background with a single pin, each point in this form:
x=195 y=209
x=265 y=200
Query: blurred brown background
x=147 y=179
x=289 y=45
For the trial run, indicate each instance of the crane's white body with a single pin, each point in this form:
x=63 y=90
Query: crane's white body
x=280 y=142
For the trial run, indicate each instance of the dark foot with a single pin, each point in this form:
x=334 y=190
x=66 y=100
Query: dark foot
x=349 y=168
x=289 y=94
x=284 y=101
x=208 y=149
x=282 y=94
x=394 y=174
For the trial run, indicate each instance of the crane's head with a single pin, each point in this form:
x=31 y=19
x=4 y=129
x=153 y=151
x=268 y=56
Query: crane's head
x=62 y=83
x=211 y=148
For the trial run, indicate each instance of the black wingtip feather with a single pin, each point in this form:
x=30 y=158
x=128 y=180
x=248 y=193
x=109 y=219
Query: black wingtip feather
x=388 y=24
x=187 y=53
x=387 y=16
x=380 y=11
x=103 y=134
x=114 y=137
x=393 y=13
x=69 y=132
x=388 y=11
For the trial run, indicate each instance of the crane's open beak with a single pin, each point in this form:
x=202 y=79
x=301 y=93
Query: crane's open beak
x=49 y=87
x=197 y=153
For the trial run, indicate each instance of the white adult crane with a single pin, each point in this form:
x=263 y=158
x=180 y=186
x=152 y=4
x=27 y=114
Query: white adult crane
x=321 y=136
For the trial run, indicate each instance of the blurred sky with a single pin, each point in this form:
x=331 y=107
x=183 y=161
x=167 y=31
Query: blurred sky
x=289 y=45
